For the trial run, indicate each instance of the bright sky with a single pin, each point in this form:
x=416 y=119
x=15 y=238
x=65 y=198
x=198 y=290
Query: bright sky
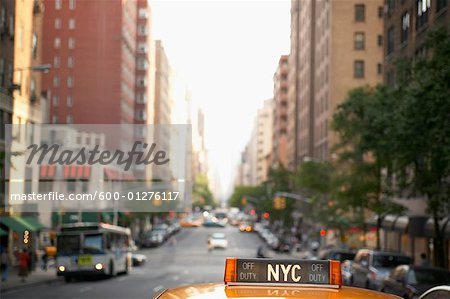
x=227 y=52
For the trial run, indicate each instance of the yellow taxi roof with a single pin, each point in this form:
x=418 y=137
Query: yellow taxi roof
x=220 y=291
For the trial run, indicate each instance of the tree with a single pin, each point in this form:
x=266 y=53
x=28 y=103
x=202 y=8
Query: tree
x=422 y=144
x=201 y=194
x=363 y=123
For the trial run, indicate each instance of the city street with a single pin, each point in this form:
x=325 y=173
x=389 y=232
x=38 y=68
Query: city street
x=186 y=262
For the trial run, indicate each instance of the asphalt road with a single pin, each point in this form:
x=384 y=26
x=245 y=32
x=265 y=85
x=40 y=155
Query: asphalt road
x=186 y=262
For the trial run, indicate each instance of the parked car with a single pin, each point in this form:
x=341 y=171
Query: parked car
x=138 y=259
x=370 y=267
x=337 y=254
x=412 y=281
x=217 y=240
x=440 y=292
x=163 y=229
x=190 y=222
x=153 y=239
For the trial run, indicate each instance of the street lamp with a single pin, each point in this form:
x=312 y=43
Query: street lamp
x=42 y=68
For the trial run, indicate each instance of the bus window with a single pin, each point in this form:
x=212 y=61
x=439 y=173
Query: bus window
x=68 y=245
x=93 y=243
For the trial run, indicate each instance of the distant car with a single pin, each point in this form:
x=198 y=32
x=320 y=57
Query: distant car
x=337 y=254
x=190 y=222
x=245 y=227
x=370 y=267
x=162 y=229
x=153 y=239
x=211 y=223
x=412 y=281
x=138 y=259
x=440 y=292
x=217 y=240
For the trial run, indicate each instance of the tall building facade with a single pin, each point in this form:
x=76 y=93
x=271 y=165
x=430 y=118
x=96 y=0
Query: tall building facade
x=335 y=46
x=23 y=80
x=92 y=48
x=264 y=128
x=163 y=104
x=405 y=27
x=280 y=113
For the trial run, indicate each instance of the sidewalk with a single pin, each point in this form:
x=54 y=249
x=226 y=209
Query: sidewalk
x=36 y=277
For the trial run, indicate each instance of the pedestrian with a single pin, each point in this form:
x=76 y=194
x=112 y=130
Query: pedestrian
x=24 y=262
x=424 y=262
x=4 y=264
x=44 y=261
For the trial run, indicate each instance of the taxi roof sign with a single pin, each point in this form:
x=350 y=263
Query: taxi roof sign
x=261 y=272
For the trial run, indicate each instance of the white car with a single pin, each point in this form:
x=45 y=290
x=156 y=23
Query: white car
x=217 y=240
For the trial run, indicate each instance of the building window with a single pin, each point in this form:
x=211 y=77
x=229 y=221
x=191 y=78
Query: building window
x=142 y=64
x=55 y=101
x=359 y=69
x=69 y=119
x=380 y=40
x=69 y=81
x=33 y=87
x=359 y=41
x=142 y=30
x=71 y=4
x=55 y=81
x=143 y=13
x=56 y=62
x=71 y=43
x=379 y=68
x=70 y=61
x=34 y=45
x=423 y=6
x=405 y=27
x=142 y=47
x=54 y=119
x=140 y=115
x=390 y=5
x=390 y=41
x=57 y=23
x=141 y=98
x=69 y=101
x=57 y=42
x=58 y=4
x=141 y=82
x=380 y=12
x=72 y=24
x=440 y=5
x=360 y=13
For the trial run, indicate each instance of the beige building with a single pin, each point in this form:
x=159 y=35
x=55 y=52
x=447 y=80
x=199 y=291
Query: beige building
x=335 y=46
x=25 y=87
x=163 y=106
x=280 y=113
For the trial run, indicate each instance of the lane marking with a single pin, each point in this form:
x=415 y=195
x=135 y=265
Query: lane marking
x=122 y=278
x=158 y=288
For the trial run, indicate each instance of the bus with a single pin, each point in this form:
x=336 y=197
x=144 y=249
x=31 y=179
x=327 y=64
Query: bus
x=87 y=248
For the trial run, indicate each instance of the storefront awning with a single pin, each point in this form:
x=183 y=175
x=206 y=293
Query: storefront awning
x=32 y=221
x=401 y=224
x=17 y=224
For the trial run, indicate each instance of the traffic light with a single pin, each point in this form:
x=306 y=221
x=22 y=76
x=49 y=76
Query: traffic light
x=244 y=201
x=279 y=203
x=266 y=215
x=323 y=232
x=282 y=203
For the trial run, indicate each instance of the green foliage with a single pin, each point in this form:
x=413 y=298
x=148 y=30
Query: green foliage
x=201 y=195
x=246 y=191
